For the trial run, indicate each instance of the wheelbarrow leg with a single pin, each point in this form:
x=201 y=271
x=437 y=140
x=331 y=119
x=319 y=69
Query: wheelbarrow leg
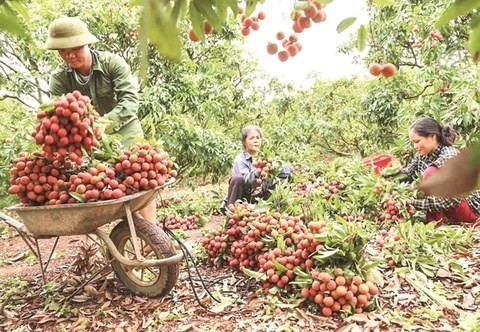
x=30 y=241
x=133 y=232
x=40 y=261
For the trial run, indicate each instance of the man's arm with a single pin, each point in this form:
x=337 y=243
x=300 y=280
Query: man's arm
x=125 y=90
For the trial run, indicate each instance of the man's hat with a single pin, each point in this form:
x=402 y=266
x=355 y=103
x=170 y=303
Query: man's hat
x=68 y=32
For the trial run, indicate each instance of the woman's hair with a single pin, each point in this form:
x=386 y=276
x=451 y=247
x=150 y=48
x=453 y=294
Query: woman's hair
x=247 y=129
x=424 y=127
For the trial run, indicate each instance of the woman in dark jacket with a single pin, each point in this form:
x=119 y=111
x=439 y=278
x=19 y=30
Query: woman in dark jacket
x=245 y=178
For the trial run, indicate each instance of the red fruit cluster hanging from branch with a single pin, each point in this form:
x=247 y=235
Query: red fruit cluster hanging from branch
x=302 y=19
x=207 y=29
x=387 y=70
x=303 y=16
x=251 y=22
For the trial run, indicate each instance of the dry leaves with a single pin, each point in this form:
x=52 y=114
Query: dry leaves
x=110 y=307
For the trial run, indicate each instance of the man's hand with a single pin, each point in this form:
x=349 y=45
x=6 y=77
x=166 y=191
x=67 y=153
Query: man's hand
x=101 y=126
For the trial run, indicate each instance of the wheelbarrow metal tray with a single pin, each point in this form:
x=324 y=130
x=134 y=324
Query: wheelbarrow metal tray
x=81 y=218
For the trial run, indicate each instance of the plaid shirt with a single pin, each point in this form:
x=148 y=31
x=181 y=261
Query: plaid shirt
x=432 y=203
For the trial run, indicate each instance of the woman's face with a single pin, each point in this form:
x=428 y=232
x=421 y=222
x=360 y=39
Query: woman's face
x=253 y=142
x=423 y=145
x=78 y=58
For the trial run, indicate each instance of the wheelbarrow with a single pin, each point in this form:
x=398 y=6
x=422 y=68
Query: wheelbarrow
x=144 y=257
x=378 y=162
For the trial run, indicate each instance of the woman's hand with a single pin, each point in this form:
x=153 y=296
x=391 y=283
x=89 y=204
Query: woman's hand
x=390 y=172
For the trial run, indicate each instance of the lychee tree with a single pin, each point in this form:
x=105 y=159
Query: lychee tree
x=436 y=59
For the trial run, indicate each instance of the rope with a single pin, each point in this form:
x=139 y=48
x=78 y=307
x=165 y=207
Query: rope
x=189 y=257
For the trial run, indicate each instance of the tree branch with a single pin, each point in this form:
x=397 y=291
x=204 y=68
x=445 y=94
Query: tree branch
x=348 y=143
x=329 y=147
x=420 y=93
x=7 y=66
x=3 y=97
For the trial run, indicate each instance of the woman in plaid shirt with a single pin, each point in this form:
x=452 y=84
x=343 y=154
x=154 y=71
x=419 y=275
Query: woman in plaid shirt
x=433 y=144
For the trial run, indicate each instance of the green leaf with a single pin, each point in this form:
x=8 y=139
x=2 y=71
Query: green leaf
x=221 y=6
x=19 y=7
x=475 y=22
x=205 y=8
x=402 y=271
x=278 y=266
x=420 y=276
x=262 y=208
x=273 y=290
x=345 y=24
x=377 y=276
x=339 y=230
x=9 y=21
x=362 y=37
x=254 y=274
x=325 y=254
x=233 y=6
x=373 y=264
x=302 y=274
x=459 y=8
x=250 y=8
x=473 y=44
x=47 y=107
x=384 y=3
x=197 y=21
x=179 y=7
x=77 y=196
x=426 y=270
x=161 y=29
x=301 y=5
x=281 y=243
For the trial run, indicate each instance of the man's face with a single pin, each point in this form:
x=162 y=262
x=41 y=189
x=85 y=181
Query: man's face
x=77 y=57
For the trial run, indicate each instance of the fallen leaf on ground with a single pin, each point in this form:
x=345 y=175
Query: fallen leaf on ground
x=9 y=314
x=90 y=290
x=468 y=301
x=185 y=328
x=442 y=273
x=347 y=328
x=163 y=315
x=359 y=318
x=220 y=307
x=80 y=298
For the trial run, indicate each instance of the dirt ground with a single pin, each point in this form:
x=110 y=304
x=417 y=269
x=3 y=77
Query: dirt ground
x=207 y=299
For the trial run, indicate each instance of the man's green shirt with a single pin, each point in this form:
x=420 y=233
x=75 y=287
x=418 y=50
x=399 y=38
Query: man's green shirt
x=111 y=88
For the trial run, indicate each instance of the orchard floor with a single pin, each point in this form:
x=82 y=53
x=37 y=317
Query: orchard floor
x=104 y=304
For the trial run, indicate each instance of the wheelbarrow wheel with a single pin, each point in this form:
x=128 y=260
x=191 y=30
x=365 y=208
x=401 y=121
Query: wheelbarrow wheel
x=153 y=244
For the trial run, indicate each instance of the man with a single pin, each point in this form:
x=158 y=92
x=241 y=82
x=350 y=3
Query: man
x=103 y=76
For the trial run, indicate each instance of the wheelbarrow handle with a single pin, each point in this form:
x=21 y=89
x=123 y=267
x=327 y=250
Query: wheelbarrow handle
x=14 y=223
